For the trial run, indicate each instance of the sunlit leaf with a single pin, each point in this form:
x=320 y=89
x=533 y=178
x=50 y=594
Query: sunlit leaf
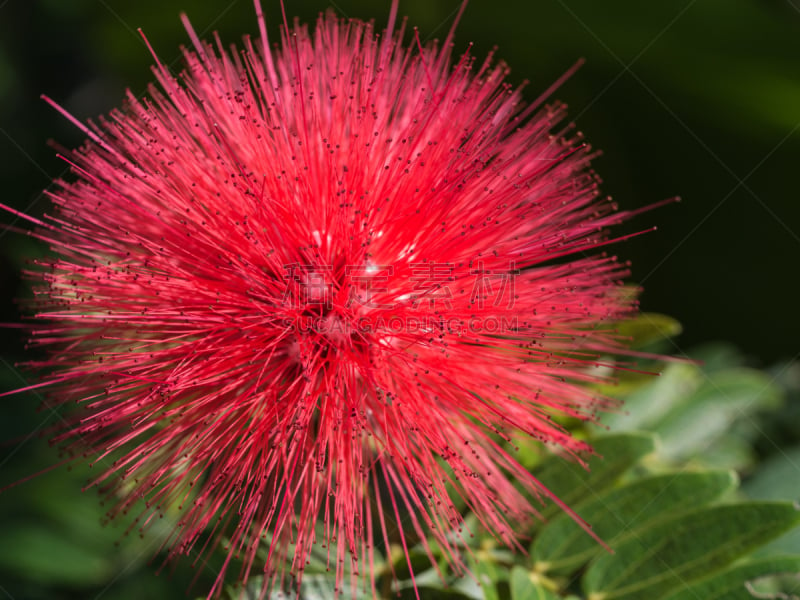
x=649 y=404
x=525 y=586
x=708 y=413
x=647 y=328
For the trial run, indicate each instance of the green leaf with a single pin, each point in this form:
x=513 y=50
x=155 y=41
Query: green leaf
x=776 y=478
x=671 y=553
x=419 y=559
x=731 y=584
x=649 y=404
x=433 y=593
x=570 y=482
x=732 y=451
x=647 y=328
x=525 y=586
x=563 y=544
x=47 y=557
x=487 y=573
x=314 y=587
x=708 y=414
x=778 y=586
x=789 y=543
x=717 y=356
x=59 y=536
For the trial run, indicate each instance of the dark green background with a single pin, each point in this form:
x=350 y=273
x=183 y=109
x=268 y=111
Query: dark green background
x=697 y=98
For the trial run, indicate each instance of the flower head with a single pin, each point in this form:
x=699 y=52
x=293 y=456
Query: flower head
x=326 y=282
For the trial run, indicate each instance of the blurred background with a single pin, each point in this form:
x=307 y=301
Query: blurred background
x=696 y=98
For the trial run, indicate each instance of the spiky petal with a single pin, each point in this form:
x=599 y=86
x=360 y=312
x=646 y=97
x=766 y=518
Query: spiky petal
x=326 y=281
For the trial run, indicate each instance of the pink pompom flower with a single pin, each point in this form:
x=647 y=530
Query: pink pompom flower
x=300 y=291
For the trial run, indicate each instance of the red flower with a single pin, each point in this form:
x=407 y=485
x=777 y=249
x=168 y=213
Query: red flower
x=292 y=281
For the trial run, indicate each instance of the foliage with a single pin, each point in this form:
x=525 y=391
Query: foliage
x=662 y=492
x=689 y=97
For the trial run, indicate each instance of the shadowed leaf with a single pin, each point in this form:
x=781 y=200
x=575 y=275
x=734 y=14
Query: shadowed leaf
x=562 y=544
x=670 y=554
